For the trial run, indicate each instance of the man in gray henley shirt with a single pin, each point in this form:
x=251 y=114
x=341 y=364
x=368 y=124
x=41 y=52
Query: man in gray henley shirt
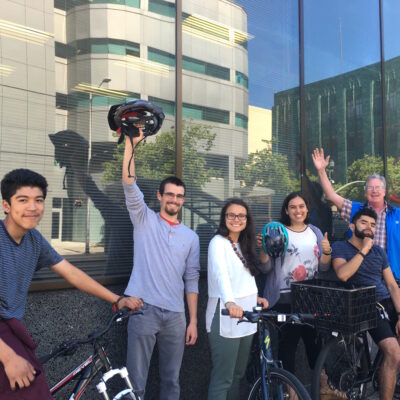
x=166 y=263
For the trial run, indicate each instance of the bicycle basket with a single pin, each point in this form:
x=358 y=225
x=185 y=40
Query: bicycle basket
x=337 y=308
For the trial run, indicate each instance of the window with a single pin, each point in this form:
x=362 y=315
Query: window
x=205 y=113
x=61 y=101
x=161 y=57
x=241 y=79
x=201 y=67
x=106 y=46
x=241 y=120
x=167 y=106
x=162 y=7
x=62 y=50
x=68 y=4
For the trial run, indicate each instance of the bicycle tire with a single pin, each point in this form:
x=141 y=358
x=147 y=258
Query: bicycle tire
x=280 y=379
x=338 y=374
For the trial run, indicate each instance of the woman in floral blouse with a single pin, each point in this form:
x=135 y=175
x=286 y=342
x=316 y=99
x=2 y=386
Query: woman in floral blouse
x=308 y=251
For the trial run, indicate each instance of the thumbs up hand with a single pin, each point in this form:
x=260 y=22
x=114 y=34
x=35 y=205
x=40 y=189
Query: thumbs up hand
x=326 y=247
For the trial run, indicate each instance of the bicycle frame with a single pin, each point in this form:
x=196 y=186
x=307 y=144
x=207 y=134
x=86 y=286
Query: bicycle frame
x=372 y=366
x=86 y=371
x=266 y=358
x=97 y=363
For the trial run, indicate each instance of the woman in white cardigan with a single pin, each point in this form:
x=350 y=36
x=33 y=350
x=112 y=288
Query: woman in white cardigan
x=231 y=284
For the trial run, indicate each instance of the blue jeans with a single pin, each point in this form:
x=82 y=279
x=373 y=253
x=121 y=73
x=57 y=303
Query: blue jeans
x=168 y=328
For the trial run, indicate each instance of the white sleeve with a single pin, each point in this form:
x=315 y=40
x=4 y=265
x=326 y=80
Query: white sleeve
x=218 y=268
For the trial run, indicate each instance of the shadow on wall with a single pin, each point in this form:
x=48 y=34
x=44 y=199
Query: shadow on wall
x=71 y=152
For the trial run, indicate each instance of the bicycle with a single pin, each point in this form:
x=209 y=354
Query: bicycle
x=274 y=382
x=97 y=363
x=345 y=366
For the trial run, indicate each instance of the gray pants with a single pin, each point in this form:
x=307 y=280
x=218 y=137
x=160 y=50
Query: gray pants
x=168 y=328
x=229 y=362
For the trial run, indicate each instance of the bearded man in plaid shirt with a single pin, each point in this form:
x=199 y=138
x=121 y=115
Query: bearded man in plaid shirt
x=387 y=232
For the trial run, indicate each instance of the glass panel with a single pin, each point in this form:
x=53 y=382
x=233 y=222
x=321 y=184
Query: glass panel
x=63 y=71
x=161 y=56
x=191 y=64
x=133 y=3
x=242 y=79
x=162 y=7
x=192 y=112
x=167 y=106
x=391 y=15
x=240 y=39
x=342 y=98
x=116 y=49
x=241 y=121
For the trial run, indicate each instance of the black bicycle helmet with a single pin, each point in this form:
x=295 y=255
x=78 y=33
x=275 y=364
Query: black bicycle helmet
x=124 y=118
x=275 y=239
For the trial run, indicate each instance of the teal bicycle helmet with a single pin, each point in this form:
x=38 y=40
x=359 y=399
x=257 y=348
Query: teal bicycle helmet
x=275 y=239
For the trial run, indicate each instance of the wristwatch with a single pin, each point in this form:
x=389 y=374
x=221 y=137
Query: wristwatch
x=328 y=253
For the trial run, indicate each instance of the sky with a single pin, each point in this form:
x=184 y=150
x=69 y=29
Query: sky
x=339 y=36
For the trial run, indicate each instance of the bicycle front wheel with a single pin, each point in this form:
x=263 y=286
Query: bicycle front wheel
x=340 y=370
x=280 y=385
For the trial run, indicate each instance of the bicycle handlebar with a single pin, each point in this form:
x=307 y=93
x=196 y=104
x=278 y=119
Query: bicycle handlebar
x=255 y=316
x=68 y=347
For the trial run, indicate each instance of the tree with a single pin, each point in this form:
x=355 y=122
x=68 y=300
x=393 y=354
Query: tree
x=361 y=168
x=268 y=169
x=156 y=159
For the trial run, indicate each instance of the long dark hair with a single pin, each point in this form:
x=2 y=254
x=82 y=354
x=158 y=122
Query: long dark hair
x=247 y=238
x=285 y=220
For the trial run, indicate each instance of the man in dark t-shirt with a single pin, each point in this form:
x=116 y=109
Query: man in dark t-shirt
x=23 y=250
x=363 y=263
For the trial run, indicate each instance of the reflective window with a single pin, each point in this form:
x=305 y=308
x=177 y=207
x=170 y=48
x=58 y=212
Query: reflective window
x=162 y=7
x=342 y=97
x=391 y=15
x=68 y=63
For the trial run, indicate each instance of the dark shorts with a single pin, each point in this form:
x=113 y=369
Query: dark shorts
x=385 y=328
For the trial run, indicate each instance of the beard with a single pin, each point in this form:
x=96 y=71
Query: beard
x=171 y=212
x=361 y=235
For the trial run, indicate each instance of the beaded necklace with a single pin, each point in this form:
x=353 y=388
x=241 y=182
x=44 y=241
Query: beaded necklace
x=242 y=259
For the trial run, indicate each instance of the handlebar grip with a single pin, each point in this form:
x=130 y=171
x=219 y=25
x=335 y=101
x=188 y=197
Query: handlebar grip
x=307 y=317
x=224 y=311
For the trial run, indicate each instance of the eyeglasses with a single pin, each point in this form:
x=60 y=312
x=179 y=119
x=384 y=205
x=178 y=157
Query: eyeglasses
x=171 y=196
x=372 y=188
x=232 y=216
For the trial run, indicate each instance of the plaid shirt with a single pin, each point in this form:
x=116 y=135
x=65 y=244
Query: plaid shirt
x=380 y=228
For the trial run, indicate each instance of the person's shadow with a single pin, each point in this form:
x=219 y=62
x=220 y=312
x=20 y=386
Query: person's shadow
x=71 y=151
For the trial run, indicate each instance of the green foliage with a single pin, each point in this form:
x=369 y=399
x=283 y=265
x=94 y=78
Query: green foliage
x=362 y=168
x=268 y=169
x=156 y=159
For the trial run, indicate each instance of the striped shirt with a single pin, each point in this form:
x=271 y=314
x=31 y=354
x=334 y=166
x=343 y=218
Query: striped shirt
x=18 y=263
x=380 y=228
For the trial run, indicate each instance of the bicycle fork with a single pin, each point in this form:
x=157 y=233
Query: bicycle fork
x=123 y=373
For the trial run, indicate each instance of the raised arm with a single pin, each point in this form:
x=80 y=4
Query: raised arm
x=128 y=164
x=320 y=163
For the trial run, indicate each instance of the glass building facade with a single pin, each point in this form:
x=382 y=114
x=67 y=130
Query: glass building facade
x=249 y=89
